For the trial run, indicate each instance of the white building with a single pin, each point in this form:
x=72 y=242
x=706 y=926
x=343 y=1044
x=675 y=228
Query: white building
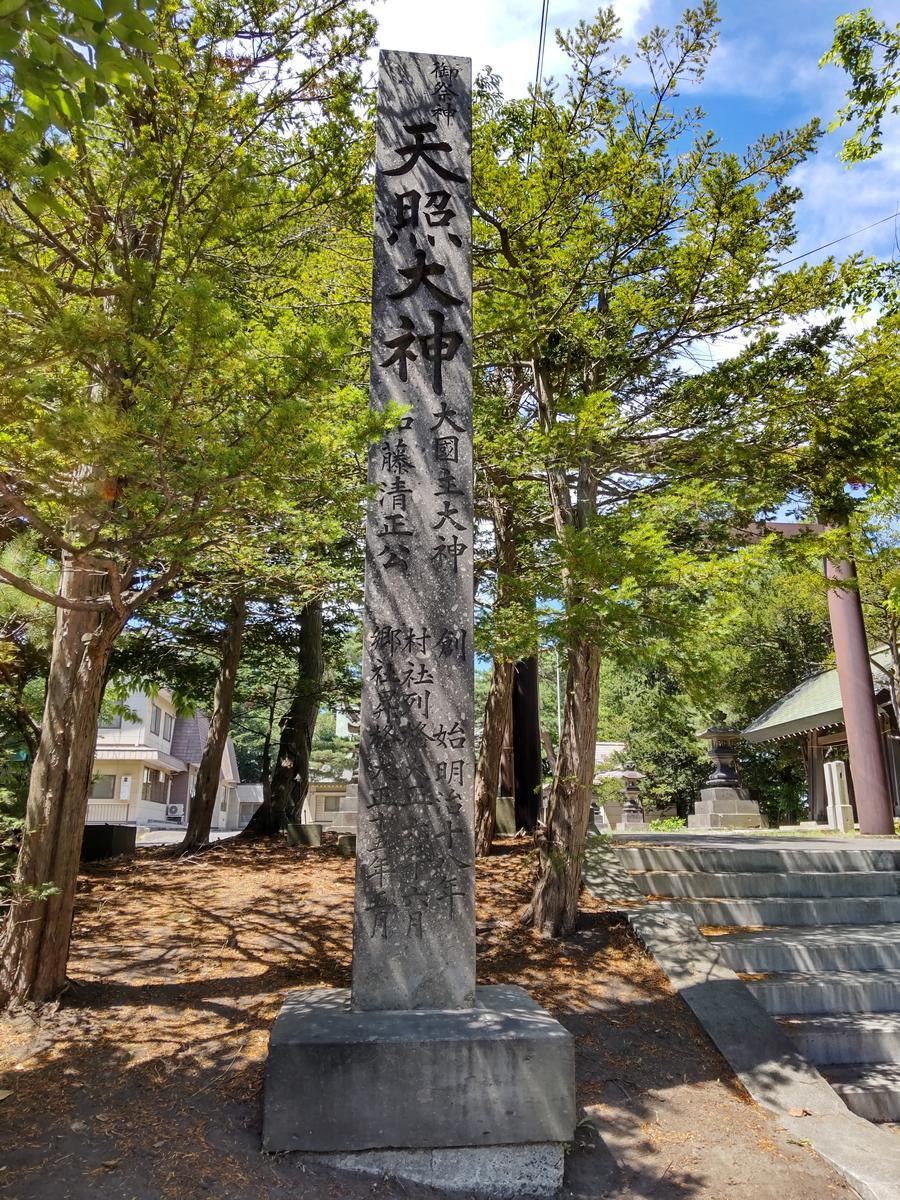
x=144 y=770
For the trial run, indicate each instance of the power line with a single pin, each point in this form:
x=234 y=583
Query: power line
x=815 y=250
x=542 y=39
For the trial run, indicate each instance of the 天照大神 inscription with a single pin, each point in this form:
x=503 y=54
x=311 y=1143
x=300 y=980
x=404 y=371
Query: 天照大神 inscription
x=414 y=932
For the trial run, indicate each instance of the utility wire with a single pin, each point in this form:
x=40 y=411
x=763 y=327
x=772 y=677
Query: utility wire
x=542 y=39
x=815 y=250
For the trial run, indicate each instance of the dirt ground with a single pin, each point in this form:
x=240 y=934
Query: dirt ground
x=144 y=1082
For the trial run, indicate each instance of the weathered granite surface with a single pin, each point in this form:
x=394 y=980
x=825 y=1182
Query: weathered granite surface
x=341 y=1080
x=414 y=930
x=725 y=807
x=491 y=1172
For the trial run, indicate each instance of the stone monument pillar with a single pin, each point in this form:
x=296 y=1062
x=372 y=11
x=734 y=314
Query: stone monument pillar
x=723 y=803
x=840 y=811
x=416 y=1071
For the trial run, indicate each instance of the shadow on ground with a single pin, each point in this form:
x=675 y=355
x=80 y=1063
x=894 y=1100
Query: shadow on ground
x=144 y=1082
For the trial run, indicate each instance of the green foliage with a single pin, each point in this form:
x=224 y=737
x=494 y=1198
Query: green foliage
x=26 y=628
x=613 y=238
x=61 y=57
x=183 y=392
x=332 y=757
x=649 y=711
x=869 y=51
x=667 y=824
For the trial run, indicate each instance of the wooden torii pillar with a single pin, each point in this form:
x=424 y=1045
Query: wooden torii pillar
x=851 y=651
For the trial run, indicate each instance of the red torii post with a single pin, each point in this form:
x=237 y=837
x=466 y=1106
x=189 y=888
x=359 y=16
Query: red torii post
x=854 y=668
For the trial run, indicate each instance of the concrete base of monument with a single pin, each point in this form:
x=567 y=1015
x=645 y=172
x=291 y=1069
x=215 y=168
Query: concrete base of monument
x=450 y=1084
x=490 y=1172
x=725 y=808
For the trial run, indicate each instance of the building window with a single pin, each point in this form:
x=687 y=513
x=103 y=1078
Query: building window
x=168 y=726
x=154 y=788
x=110 y=722
x=103 y=787
x=155 y=718
x=331 y=804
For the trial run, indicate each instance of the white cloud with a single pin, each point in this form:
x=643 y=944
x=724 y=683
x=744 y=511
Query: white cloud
x=837 y=201
x=501 y=35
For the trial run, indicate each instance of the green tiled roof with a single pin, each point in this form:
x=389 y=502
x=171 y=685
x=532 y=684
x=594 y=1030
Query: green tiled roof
x=813 y=704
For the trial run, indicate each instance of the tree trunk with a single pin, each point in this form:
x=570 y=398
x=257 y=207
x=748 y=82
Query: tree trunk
x=487 y=773
x=34 y=945
x=554 y=905
x=290 y=779
x=203 y=801
x=526 y=731
x=497 y=729
x=266 y=765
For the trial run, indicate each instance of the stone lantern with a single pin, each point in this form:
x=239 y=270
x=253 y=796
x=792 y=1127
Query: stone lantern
x=723 y=803
x=723 y=751
x=632 y=810
x=630 y=779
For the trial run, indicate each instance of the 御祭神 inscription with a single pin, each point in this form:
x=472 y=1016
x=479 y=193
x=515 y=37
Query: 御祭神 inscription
x=414 y=933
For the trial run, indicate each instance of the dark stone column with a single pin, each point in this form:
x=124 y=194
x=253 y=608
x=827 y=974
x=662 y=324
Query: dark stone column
x=851 y=651
x=526 y=738
x=414 y=927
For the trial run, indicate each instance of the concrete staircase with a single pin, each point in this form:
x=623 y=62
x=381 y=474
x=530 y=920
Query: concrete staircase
x=814 y=930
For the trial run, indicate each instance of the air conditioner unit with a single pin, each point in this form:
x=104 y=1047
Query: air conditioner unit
x=174 y=812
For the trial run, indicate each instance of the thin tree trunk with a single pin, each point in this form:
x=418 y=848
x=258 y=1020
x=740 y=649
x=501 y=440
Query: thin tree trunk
x=263 y=821
x=203 y=801
x=267 y=747
x=554 y=906
x=29 y=731
x=498 y=705
x=290 y=779
x=34 y=944
x=487 y=772
x=526 y=732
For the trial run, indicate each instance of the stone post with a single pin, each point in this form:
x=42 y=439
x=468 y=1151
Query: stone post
x=416 y=1072
x=851 y=652
x=414 y=933
x=840 y=812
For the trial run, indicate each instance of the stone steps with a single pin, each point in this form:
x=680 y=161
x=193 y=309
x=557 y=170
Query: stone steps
x=840 y=1039
x=803 y=993
x=834 y=948
x=851 y=910
x=871 y=1090
x=716 y=857
x=743 y=885
x=815 y=931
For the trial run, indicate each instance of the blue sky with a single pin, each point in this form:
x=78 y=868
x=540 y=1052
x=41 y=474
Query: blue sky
x=763 y=76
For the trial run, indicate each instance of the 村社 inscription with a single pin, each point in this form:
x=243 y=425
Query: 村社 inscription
x=414 y=928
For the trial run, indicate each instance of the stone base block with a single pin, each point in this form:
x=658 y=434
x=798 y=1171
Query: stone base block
x=726 y=821
x=631 y=826
x=491 y=1172
x=498 y=1074
x=725 y=808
